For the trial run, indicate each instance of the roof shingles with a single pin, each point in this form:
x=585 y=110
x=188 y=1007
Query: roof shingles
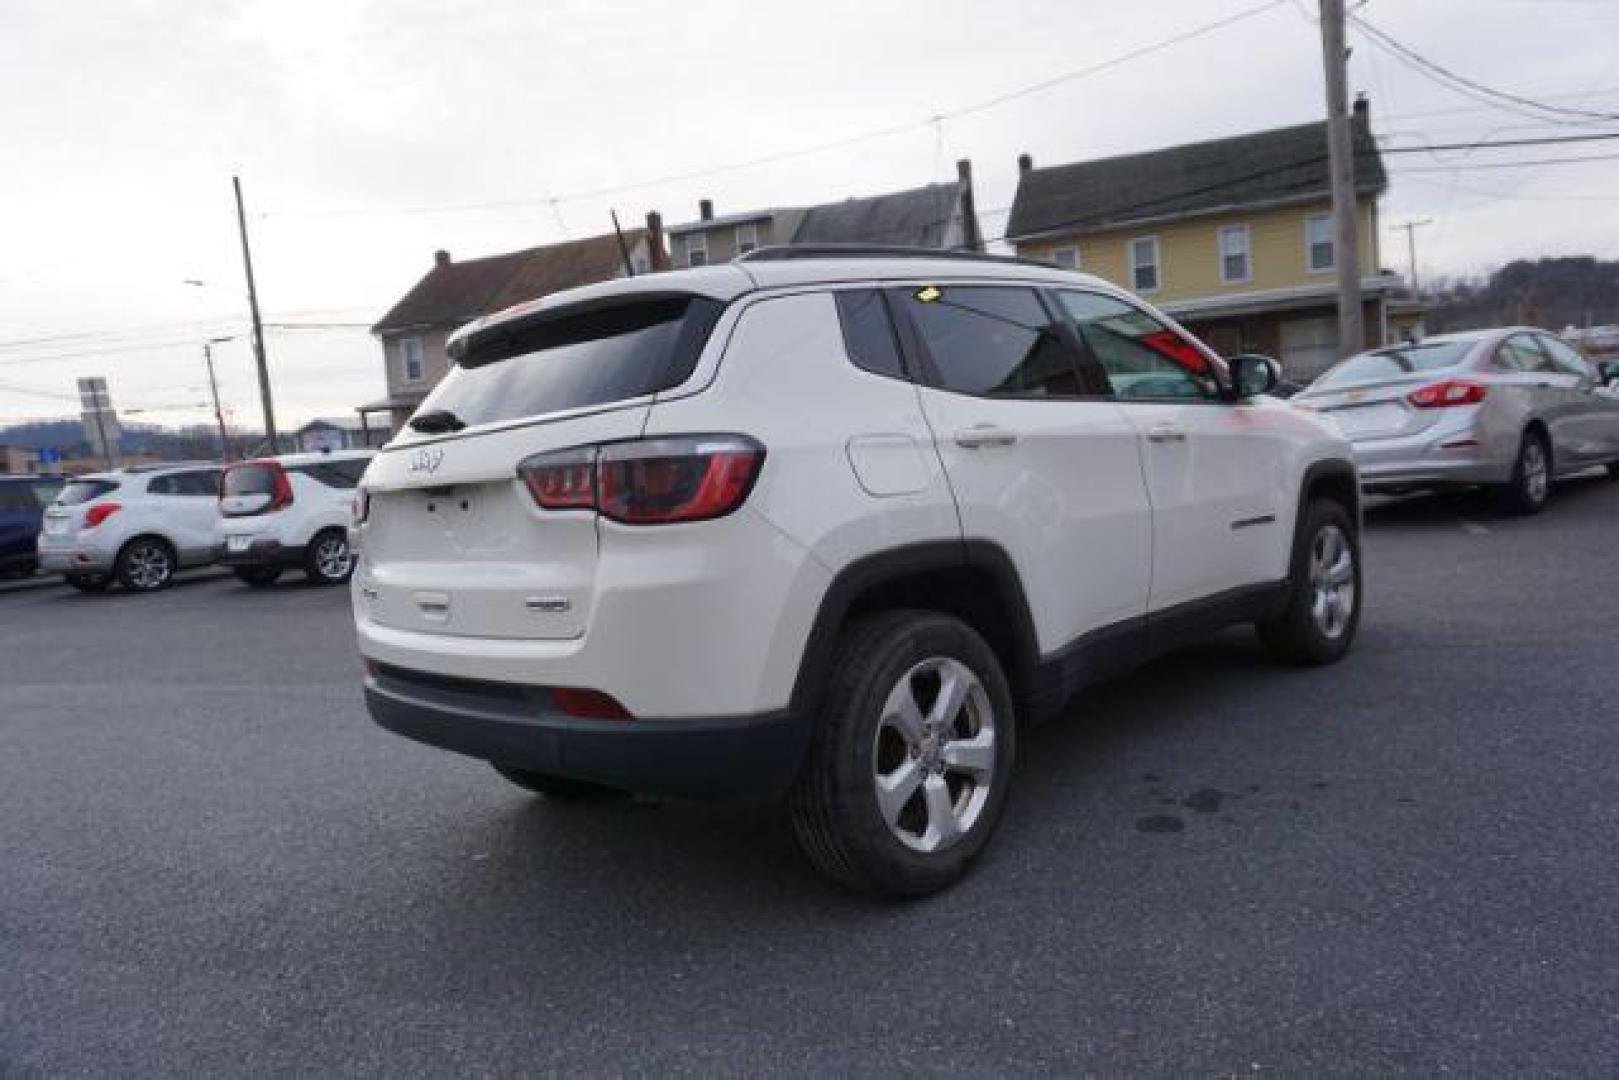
x=1265 y=166
x=453 y=293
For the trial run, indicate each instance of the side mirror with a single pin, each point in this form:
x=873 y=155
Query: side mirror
x=1252 y=374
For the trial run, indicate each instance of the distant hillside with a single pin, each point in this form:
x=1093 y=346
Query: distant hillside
x=1549 y=293
x=173 y=444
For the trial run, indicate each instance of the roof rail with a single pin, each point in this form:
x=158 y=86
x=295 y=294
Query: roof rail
x=794 y=252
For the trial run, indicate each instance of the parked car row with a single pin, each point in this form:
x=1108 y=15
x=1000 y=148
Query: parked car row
x=23 y=500
x=139 y=526
x=1511 y=409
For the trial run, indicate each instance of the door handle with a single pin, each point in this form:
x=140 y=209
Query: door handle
x=981 y=435
x=1165 y=433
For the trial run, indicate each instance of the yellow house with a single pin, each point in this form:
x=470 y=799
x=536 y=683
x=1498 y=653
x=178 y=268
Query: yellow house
x=1232 y=237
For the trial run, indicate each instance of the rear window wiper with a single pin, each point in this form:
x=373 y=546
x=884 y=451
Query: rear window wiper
x=437 y=422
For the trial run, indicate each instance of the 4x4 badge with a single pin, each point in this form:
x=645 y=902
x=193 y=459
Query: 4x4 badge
x=427 y=460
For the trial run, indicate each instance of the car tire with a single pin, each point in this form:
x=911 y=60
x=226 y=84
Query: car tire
x=1613 y=470
x=900 y=791
x=1531 y=483
x=89 y=583
x=328 y=559
x=257 y=576
x=145 y=564
x=560 y=788
x=1324 y=592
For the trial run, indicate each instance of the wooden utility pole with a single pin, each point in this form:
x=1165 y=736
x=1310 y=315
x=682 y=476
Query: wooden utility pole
x=258 y=326
x=1341 y=161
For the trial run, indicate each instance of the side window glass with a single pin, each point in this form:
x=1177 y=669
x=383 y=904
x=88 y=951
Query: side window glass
x=868 y=334
x=1565 y=358
x=991 y=341
x=1520 y=353
x=1143 y=358
x=163 y=485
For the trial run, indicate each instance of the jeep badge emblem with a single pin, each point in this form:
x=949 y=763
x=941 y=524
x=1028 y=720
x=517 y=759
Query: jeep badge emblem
x=427 y=460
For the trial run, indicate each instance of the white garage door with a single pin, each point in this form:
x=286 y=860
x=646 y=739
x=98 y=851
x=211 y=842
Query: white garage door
x=1309 y=346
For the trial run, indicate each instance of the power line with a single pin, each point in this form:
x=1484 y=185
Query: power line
x=1476 y=90
x=1527 y=163
x=816 y=148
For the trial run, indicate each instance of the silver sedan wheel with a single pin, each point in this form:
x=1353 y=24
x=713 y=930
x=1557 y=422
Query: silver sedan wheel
x=1536 y=472
x=149 y=566
x=934 y=757
x=1332 y=582
x=332 y=557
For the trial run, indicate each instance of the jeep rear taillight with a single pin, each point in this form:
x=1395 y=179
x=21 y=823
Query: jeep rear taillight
x=100 y=512
x=658 y=481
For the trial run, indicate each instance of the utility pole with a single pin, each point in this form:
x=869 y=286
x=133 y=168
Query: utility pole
x=1341 y=161
x=1411 y=228
x=258 y=325
x=213 y=386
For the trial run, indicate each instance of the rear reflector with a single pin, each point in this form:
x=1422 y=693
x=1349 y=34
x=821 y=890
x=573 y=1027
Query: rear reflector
x=648 y=481
x=588 y=704
x=1445 y=394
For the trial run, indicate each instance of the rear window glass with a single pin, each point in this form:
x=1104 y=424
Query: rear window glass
x=249 y=480
x=594 y=358
x=1395 y=362
x=82 y=491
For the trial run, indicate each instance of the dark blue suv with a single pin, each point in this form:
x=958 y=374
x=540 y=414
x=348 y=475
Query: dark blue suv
x=22 y=508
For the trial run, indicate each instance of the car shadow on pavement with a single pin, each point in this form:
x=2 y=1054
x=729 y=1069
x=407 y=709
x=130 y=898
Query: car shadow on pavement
x=1475 y=504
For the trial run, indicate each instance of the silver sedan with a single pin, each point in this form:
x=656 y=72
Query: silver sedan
x=1512 y=408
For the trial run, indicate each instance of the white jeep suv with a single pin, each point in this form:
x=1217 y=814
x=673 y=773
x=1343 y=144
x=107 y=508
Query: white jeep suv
x=136 y=526
x=291 y=513
x=830 y=525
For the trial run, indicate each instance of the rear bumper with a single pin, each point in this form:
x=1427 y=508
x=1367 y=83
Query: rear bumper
x=263 y=552
x=1442 y=455
x=723 y=757
x=74 y=559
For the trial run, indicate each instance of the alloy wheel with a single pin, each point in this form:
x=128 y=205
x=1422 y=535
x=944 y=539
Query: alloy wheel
x=934 y=755
x=149 y=566
x=1536 y=474
x=332 y=557
x=1332 y=581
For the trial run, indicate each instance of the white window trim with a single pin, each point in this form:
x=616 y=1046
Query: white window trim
x=1247 y=253
x=1309 y=265
x=1074 y=248
x=1157 y=264
x=404 y=360
x=697 y=242
x=752 y=229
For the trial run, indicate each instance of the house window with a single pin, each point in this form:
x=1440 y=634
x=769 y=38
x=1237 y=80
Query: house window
x=1235 y=252
x=1318 y=243
x=747 y=238
x=697 y=249
x=1066 y=257
x=410 y=355
x=1144 y=264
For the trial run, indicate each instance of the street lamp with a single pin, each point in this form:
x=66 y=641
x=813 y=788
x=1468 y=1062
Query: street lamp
x=265 y=401
x=213 y=385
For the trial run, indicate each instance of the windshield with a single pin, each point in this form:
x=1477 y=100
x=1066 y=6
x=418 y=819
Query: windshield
x=82 y=491
x=1394 y=362
x=575 y=362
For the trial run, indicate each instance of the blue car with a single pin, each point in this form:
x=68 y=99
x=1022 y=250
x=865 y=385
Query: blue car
x=22 y=509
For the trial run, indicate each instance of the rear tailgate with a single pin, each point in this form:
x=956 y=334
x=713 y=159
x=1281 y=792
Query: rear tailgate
x=453 y=543
x=1373 y=411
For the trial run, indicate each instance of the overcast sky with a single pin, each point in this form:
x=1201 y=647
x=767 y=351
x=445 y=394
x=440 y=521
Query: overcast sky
x=367 y=133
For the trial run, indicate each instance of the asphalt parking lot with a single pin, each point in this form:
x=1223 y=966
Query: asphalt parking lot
x=212 y=862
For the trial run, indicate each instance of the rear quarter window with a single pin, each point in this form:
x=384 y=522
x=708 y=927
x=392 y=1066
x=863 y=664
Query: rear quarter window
x=82 y=491
x=574 y=362
x=868 y=333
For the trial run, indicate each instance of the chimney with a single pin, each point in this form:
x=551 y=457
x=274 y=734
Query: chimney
x=1024 y=163
x=441 y=258
x=1363 y=109
x=971 y=238
x=705 y=209
x=654 y=241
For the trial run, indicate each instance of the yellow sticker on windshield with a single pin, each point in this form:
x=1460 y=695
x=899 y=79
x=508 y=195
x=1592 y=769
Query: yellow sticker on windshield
x=928 y=293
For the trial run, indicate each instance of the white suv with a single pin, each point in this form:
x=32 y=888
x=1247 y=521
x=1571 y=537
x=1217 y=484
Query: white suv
x=291 y=513
x=136 y=525
x=829 y=526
